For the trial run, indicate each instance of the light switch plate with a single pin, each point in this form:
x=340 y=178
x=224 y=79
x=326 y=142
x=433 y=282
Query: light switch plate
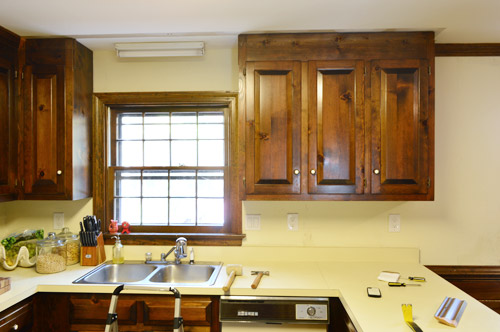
x=394 y=223
x=58 y=220
x=293 y=221
x=252 y=222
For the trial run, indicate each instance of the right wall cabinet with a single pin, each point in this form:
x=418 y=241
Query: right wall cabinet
x=327 y=116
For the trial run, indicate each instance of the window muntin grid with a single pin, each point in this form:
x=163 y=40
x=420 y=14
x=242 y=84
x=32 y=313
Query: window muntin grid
x=170 y=168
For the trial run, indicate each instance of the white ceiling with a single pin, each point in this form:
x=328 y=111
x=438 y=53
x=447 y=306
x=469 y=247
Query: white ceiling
x=99 y=23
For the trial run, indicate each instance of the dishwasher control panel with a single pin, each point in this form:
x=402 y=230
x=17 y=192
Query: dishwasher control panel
x=260 y=309
x=311 y=311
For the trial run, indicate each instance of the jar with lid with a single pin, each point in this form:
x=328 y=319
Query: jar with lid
x=50 y=254
x=72 y=246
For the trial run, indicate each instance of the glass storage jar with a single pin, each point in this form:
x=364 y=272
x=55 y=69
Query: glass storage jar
x=72 y=246
x=50 y=255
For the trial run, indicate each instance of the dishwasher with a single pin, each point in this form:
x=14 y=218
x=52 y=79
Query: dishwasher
x=274 y=314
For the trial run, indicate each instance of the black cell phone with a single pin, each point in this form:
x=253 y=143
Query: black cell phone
x=373 y=292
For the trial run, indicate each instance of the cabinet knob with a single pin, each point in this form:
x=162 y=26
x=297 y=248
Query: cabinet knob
x=376 y=171
x=42 y=174
x=296 y=172
x=59 y=172
x=15 y=327
x=313 y=172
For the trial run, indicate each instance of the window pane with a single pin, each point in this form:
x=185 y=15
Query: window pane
x=184 y=131
x=183 y=117
x=154 y=211
x=182 y=211
x=156 y=131
x=211 y=153
x=129 y=118
x=210 y=117
x=128 y=183
x=157 y=153
x=183 y=184
x=184 y=153
x=129 y=154
x=157 y=118
x=128 y=209
x=130 y=132
x=211 y=211
x=155 y=184
x=210 y=184
x=211 y=131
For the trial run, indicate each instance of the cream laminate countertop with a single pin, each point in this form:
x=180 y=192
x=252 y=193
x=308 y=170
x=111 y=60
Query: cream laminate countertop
x=347 y=280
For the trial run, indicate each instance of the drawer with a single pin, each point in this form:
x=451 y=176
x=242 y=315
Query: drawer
x=17 y=318
x=195 y=310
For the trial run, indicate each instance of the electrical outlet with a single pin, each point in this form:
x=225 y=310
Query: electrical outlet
x=293 y=221
x=58 y=220
x=394 y=223
x=252 y=222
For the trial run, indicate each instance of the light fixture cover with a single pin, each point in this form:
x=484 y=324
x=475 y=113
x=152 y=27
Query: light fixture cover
x=164 y=49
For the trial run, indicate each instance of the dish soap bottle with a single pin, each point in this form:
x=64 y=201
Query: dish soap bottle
x=118 y=257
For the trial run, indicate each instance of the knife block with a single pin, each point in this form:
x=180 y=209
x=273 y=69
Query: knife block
x=91 y=256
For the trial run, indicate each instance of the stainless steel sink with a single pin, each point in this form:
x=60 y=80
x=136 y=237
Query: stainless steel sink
x=136 y=272
x=184 y=274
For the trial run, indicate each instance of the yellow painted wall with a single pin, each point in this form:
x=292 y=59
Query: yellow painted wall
x=462 y=225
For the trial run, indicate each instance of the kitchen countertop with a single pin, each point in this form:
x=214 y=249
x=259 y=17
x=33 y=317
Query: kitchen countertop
x=326 y=275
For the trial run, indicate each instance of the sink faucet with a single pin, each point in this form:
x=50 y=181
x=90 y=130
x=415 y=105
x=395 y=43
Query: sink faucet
x=180 y=250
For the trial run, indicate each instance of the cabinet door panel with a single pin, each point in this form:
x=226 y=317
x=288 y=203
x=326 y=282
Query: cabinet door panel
x=273 y=127
x=44 y=130
x=336 y=138
x=399 y=128
x=7 y=129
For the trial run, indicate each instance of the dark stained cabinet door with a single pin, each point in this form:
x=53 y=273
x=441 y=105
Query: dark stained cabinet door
x=8 y=124
x=336 y=127
x=273 y=127
x=57 y=92
x=44 y=130
x=400 y=132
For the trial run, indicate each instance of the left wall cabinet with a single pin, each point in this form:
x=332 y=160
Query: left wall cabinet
x=9 y=45
x=51 y=136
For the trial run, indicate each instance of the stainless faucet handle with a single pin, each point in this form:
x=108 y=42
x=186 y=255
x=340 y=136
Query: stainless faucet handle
x=181 y=247
x=163 y=256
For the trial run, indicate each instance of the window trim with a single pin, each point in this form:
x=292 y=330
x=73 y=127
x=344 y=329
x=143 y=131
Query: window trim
x=230 y=234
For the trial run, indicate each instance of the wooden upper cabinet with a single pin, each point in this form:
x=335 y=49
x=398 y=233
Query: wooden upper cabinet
x=57 y=119
x=400 y=140
x=273 y=127
x=336 y=127
x=9 y=44
x=337 y=116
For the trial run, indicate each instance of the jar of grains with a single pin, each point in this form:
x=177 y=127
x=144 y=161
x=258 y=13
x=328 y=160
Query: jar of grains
x=72 y=246
x=50 y=255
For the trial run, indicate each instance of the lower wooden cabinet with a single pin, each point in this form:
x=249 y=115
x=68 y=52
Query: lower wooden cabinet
x=88 y=312
x=18 y=317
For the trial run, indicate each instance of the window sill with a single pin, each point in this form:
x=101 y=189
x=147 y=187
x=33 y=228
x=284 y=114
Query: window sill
x=199 y=239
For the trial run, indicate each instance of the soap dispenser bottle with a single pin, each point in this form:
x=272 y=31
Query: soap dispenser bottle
x=118 y=257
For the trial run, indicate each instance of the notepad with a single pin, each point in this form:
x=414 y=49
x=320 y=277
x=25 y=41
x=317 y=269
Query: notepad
x=388 y=276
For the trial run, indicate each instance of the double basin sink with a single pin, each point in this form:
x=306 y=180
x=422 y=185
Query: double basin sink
x=158 y=273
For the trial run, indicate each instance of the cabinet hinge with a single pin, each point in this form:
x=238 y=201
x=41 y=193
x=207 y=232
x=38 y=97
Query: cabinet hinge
x=364 y=183
x=244 y=72
x=430 y=71
x=428 y=182
x=15 y=74
x=365 y=71
x=244 y=182
x=15 y=182
x=22 y=183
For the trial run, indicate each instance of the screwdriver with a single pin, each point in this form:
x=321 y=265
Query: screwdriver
x=401 y=284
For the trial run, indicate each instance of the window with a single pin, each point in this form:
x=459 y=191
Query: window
x=170 y=165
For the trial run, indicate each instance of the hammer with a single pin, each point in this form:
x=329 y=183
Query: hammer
x=232 y=270
x=259 y=276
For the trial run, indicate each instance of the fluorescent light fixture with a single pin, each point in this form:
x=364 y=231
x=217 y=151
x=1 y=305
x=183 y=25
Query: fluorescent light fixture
x=139 y=50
